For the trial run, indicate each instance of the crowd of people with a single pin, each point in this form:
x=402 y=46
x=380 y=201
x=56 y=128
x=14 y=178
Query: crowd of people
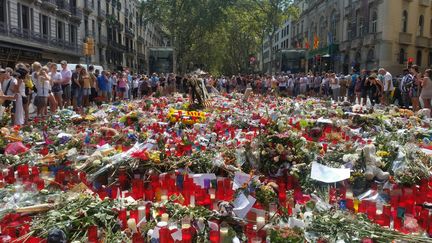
x=49 y=89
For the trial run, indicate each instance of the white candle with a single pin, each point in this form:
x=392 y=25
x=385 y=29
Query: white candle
x=212 y=193
x=165 y=217
x=260 y=222
x=164 y=198
x=223 y=233
x=141 y=213
x=192 y=200
x=132 y=225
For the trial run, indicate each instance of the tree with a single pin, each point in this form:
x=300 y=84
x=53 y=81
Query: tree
x=186 y=22
x=275 y=13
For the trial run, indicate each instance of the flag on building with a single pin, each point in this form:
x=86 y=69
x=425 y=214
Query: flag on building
x=307 y=46
x=316 y=42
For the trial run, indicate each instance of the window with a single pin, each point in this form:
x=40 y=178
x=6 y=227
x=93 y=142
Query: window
x=419 y=58
x=374 y=22
x=86 y=27
x=430 y=28
x=421 y=25
x=401 y=56
x=25 y=17
x=44 y=23
x=3 y=11
x=430 y=58
x=72 y=34
x=404 y=21
x=93 y=28
x=333 y=24
x=60 y=30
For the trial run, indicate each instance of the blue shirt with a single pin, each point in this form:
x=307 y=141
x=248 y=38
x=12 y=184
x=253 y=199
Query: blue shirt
x=102 y=83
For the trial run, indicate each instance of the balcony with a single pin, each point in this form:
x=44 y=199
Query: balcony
x=45 y=41
x=425 y=3
x=141 y=39
x=76 y=15
x=49 y=4
x=422 y=41
x=405 y=38
x=63 y=8
x=88 y=6
x=369 y=39
x=101 y=15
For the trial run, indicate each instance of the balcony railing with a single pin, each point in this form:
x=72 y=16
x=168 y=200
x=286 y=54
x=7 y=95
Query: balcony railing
x=63 y=7
x=49 y=4
x=101 y=15
x=88 y=6
x=36 y=37
x=76 y=14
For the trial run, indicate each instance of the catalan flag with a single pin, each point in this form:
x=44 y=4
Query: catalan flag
x=307 y=46
x=316 y=42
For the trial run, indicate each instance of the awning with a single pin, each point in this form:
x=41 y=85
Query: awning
x=329 y=50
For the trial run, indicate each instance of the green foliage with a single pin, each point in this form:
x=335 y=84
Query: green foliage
x=218 y=35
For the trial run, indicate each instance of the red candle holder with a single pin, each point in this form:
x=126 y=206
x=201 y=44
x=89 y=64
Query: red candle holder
x=92 y=234
x=122 y=215
x=186 y=235
x=164 y=235
x=214 y=236
x=137 y=238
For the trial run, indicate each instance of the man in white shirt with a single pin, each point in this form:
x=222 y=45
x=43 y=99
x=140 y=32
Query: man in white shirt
x=388 y=85
x=66 y=75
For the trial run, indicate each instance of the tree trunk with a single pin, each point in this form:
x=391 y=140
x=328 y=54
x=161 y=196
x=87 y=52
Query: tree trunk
x=271 y=36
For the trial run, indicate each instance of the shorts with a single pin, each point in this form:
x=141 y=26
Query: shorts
x=66 y=90
x=87 y=91
x=282 y=88
x=40 y=101
x=122 y=89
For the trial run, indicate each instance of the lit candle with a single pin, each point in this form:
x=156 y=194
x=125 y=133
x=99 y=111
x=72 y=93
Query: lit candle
x=164 y=198
x=132 y=225
x=260 y=222
x=224 y=234
x=212 y=193
x=165 y=217
x=192 y=201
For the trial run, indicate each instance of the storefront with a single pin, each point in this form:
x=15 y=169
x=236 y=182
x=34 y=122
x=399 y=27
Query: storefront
x=324 y=59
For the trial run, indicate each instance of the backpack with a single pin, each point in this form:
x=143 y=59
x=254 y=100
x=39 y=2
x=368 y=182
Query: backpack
x=407 y=83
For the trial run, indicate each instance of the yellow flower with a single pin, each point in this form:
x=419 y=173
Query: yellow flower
x=382 y=153
x=155 y=157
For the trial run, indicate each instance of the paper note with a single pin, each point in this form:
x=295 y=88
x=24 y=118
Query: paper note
x=243 y=204
x=327 y=174
x=240 y=179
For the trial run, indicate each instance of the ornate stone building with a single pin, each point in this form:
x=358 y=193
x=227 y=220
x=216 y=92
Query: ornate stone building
x=53 y=30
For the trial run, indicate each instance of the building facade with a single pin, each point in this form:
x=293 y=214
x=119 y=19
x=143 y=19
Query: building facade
x=362 y=34
x=54 y=30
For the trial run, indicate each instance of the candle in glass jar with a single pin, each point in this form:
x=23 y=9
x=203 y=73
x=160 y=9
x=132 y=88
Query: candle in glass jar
x=192 y=201
x=223 y=234
x=164 y=217
x=141 y=213
x=132 y=225
x=260 y=222
x=212 y=193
